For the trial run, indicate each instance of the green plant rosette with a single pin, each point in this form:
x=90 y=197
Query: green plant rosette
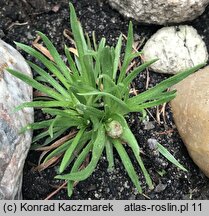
x=90 y=94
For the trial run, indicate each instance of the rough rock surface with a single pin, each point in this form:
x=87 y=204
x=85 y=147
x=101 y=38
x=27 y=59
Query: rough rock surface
x=13 y=146
x=160 y=11
x=191 y=114
x=177 y=49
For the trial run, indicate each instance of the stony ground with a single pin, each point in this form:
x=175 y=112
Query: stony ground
x=19 y=19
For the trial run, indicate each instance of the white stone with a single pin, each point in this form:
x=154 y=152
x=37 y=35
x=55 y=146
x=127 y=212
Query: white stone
x=160 y=11
x=191 y=114
x=177 y=48
x=13 y=146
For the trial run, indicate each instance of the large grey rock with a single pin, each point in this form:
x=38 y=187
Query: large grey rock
x=177 y=49
x=160 y=11
x=13 y=146
x=191 y=114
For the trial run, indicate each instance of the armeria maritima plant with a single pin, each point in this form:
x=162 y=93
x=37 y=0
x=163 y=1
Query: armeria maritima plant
x=90 y=94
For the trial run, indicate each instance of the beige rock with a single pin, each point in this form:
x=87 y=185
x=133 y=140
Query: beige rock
x=160 y=11
x=177 y=48
x=191 y=114
x=13 y=146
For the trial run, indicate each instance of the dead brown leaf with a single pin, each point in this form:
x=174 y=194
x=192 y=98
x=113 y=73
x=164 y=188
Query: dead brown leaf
x=42 y=49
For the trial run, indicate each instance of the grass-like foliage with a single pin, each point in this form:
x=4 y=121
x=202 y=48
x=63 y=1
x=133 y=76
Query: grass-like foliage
x=90 y=94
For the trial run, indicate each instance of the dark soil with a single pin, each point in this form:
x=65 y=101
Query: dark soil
x=19 y=20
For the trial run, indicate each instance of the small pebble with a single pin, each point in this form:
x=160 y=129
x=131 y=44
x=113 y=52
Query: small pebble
x=160 y=187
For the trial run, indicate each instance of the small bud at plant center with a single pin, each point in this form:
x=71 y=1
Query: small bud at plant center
x=114 y=129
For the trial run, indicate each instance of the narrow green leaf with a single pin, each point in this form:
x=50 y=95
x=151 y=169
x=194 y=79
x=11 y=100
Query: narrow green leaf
x=40 y=79
x=126 y=64
x=112 y=87
x=58 y=60
x=106 y=61
x=55 y=136
x=159 y=88
x=59 y=150
x=61 y=123
x=57 y=132
x=50 y=92
x=77 y=32
x=128 y=51
x=128 y=137
x=89 y=110
x=82 y=156
x=97 y=70
x=169 y=157
x=50 y=80
x=116 y=100
x=95 y=122
x=64 y=121
x=80 y=42
x=98 y=147
x=70 y=185
x=69 y=122
x=117 y=57
x=51 y=127
x=164 y=99
x=78 y=162
x=127 y=81
x=102 y=44
x=65 y=113
x=109 y=154
x=135 y=54
x=40 y=136
x=94 y=40
x=71 y=63
x=88 y=41
x=81 y=87
x=82 y=144
x=70 y=150
x=41 y=104
x=37 y=125
x=88 y=63
x=49 y=64
x=127 y=163
x=65 y=145
x=130 y=41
